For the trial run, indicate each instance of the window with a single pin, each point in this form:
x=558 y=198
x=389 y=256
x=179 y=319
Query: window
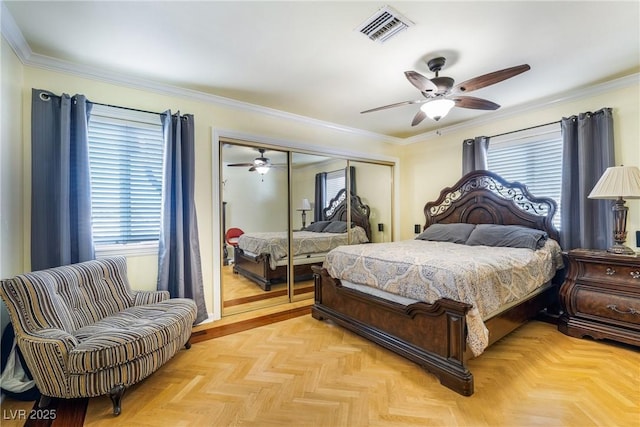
x=125 y=157
x=336 y=181
x=532 y=157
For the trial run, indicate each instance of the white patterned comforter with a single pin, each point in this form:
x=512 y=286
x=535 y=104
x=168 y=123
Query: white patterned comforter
x=304 y=243
x=485 y=277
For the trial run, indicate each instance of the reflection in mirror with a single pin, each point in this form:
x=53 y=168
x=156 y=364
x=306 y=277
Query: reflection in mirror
x=255 y=225
x=262 y=195
x=374 y=187
x=307 y=194
x=323 y=181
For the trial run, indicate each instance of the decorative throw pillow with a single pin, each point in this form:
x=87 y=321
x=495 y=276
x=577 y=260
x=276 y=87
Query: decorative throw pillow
x=336 y=227
x=453 y=233
x=317 y=226
x=512 y=236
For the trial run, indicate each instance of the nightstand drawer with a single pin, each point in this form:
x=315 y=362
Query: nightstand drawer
x=604 y=273
x=608 y=307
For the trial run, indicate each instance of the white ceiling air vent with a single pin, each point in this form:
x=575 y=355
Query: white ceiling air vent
x=384 y=24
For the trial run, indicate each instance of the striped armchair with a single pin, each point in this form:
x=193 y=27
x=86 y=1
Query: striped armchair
x=84 y=333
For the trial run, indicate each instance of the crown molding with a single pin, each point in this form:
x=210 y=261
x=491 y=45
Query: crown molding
x=14 y=37
x=54 y=64
x=11 y=32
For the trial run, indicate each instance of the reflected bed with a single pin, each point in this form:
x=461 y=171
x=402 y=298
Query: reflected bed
x=263 y=257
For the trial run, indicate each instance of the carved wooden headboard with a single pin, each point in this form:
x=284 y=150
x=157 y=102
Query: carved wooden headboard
x=483 y=197
x=337 y=211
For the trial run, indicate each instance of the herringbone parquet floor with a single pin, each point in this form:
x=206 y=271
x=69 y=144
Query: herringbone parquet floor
x=303 y=372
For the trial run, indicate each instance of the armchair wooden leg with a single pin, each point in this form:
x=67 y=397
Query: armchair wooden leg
x=115 y=395
x=44 y=401
x=187 y=345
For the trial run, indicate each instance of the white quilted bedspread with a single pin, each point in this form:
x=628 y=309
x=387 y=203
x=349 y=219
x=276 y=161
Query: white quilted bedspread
x=304 y=242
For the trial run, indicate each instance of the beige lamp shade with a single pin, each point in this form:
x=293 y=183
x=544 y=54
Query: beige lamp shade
x=305 y=205
x=616 y=182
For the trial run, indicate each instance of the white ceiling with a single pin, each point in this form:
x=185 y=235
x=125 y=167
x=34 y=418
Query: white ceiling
x=307 y=58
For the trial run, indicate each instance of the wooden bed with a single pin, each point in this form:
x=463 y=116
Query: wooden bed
x=434 y=335
x=257 y=267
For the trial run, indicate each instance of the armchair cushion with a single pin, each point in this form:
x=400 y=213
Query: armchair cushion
x=149 y=297
x=136 y=331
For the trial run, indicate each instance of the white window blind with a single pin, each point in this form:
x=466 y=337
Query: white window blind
x=125 y=156
x=532 y=157
x=336 y=181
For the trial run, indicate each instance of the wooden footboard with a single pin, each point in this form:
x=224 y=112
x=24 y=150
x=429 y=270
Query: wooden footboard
x=257 y=268
x=432 y=335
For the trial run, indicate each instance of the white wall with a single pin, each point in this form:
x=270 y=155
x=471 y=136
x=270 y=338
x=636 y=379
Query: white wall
x=433 y=164
x=256 y=202
x=11 y=159
x=11 y=165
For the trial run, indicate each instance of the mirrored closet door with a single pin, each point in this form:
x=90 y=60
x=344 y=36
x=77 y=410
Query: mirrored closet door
x=311 y=194
x=255 y=205
x=276 y=202
x=373 y=184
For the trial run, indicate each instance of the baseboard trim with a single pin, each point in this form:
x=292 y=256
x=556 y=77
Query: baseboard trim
x=232 y=328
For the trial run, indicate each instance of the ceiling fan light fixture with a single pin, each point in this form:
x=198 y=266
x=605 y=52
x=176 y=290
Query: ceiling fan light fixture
x=438 y=108
x=262 y=169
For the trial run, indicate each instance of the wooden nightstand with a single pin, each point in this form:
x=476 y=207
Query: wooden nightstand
x=601 y=296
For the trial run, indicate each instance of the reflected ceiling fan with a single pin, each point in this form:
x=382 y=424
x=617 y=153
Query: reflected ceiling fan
x=260 y=164
x=440 y=94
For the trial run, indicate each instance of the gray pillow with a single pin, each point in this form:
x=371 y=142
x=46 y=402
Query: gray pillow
x=453 y=233
x=511 y=236
x=336 y=227
x=317 y=226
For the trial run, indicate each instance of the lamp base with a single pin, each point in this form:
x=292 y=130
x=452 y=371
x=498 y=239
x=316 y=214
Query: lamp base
x=621 y=250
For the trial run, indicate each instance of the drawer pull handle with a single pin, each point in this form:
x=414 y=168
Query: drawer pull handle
x=635 y=274
x=614 y=307
x=610 y=271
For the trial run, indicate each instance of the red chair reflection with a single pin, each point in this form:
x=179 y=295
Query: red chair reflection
x=231 y=236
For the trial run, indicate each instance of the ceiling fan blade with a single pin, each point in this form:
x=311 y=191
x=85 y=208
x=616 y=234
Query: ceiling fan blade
x=252 y=169
x=421 y=82
x=240 y=164
x=420 y=116
x=397 y=104
x=475 y=103
x=491 y=78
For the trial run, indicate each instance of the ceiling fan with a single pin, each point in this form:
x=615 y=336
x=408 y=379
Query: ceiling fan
x=260 y=164
x=440 y=94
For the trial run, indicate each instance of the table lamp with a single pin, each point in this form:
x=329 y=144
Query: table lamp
x=304 y=207
x=618 y=183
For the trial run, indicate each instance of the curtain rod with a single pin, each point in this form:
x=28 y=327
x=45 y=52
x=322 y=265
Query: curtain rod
x=520 y=130
x=126 y=108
